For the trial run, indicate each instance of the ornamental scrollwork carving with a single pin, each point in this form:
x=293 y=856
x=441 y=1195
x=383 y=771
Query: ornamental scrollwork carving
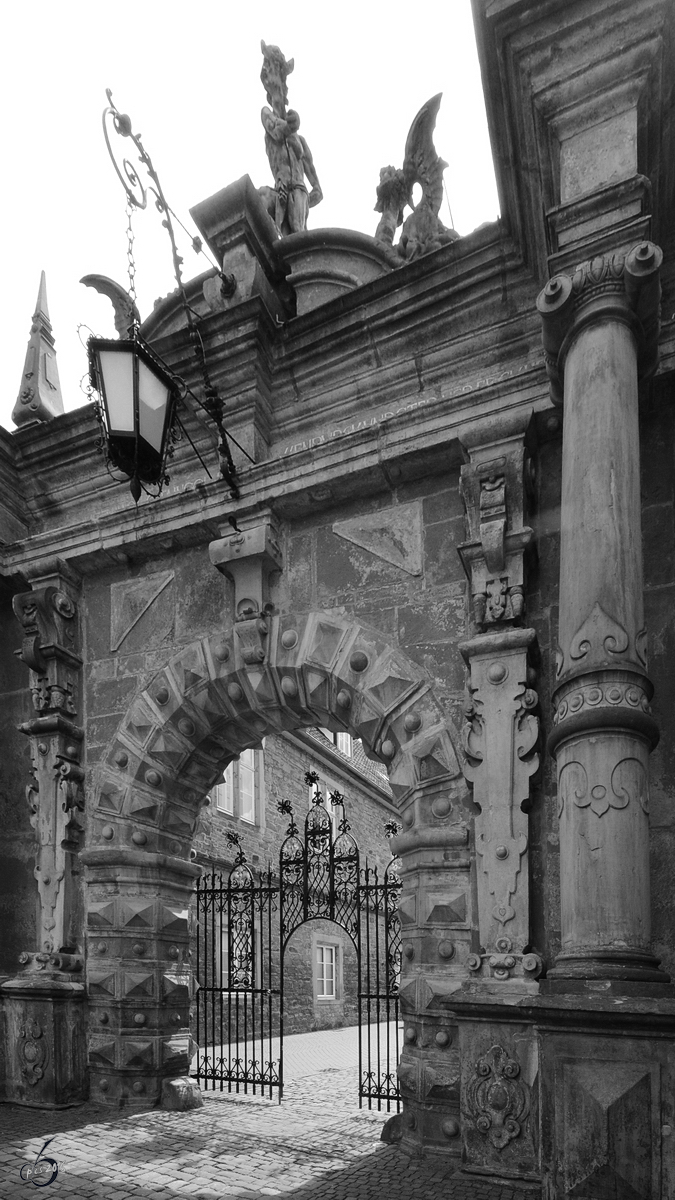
x=599 y=636
x=32 y=1050
x=497 y=1100
x=499 y=735
x=629 y=283
x=615 y=789
x=48 y=618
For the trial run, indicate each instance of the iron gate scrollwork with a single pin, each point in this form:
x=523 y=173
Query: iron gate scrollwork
x=238 y=985
x=243 y=931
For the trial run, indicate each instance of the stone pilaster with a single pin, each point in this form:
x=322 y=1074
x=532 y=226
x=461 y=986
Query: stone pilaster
x=500 y=728
x=45 y=1025
x=600 y=336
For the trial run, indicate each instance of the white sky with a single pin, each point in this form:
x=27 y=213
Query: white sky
x=188 y=75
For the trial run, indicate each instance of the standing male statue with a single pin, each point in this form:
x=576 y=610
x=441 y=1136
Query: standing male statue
x=290 y=158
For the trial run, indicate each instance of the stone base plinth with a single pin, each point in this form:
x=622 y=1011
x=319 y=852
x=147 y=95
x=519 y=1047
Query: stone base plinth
x=44 y=1041
x=574 y=1093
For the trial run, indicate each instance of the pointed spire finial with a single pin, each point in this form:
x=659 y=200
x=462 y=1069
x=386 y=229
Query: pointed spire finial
x=39 y=396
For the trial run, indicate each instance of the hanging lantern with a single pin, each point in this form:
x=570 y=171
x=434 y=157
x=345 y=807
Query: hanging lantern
x=138 y=399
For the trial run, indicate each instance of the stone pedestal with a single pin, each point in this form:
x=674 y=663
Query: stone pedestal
x=571 y=1094
x=45 y=1054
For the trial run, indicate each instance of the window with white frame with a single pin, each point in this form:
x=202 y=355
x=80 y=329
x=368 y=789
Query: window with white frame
x=326 y=971
x=240 y=793
x=343 y=741
x=247 y=772
x=223 y=793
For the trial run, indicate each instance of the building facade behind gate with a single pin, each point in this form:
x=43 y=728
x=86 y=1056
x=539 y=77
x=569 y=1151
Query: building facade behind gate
x=457 y=535
x=321 y=976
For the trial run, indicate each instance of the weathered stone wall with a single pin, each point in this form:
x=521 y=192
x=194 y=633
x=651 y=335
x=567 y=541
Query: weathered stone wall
x=302 y=1011
x=657 y=442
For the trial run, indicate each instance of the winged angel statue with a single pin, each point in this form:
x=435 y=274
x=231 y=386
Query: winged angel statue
x=422 y=230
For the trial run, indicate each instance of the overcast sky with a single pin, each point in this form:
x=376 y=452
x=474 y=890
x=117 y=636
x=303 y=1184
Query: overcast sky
x=189 y=77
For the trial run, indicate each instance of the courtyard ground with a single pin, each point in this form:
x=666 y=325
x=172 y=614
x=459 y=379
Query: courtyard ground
x=316 y=1145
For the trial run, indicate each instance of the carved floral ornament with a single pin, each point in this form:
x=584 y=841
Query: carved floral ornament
x=497 y=1100
x=600 y=639
x=627 y=781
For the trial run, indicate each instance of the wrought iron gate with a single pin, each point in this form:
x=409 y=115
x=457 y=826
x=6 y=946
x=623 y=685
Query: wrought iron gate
x=243 y=930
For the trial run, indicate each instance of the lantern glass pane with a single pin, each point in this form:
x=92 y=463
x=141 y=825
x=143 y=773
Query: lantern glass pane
x=153 y=397
x=118 y=387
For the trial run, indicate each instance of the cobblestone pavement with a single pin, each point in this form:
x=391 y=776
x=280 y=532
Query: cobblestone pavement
x=316 y=1146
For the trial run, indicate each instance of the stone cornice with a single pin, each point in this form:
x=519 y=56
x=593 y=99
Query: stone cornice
x=380 y=458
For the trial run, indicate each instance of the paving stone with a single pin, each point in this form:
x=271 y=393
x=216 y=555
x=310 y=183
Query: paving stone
x=317 y=1146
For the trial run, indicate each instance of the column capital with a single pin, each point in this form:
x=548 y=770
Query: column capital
x=615 y=287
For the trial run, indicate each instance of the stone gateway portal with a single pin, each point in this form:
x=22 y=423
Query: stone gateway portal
x=421 y=494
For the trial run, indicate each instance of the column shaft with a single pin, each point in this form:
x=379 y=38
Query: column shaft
x=603 y=731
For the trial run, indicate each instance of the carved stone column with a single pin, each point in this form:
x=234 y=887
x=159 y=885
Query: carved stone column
x=600 y=335
x=500 y=730
x=44 y=1004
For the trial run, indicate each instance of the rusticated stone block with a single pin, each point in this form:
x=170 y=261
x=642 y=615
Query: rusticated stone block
x=180 y=1095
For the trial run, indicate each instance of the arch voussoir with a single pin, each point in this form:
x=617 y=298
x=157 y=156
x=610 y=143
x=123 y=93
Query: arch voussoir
x=203 y=707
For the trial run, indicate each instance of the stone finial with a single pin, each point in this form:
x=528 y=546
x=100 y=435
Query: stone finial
x=288 y=202
x=39 y=396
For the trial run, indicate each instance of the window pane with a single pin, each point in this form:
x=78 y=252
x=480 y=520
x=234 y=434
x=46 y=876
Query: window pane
x=344 y=743
x=222 y=793
x=118 y=384
x=247 y=786
x=325 y=956
x=153 y=397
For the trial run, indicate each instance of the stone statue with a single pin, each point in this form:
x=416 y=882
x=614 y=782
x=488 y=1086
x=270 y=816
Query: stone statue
x=422 y=231
x=290 y=158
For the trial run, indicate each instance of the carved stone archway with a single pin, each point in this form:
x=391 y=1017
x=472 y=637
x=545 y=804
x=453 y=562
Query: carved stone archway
x=205 y=706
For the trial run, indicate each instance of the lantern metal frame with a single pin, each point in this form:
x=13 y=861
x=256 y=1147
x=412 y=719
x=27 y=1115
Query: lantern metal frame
x=128 y=451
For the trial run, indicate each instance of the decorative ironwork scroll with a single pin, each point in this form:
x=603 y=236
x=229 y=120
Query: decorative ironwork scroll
x=240 y=962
